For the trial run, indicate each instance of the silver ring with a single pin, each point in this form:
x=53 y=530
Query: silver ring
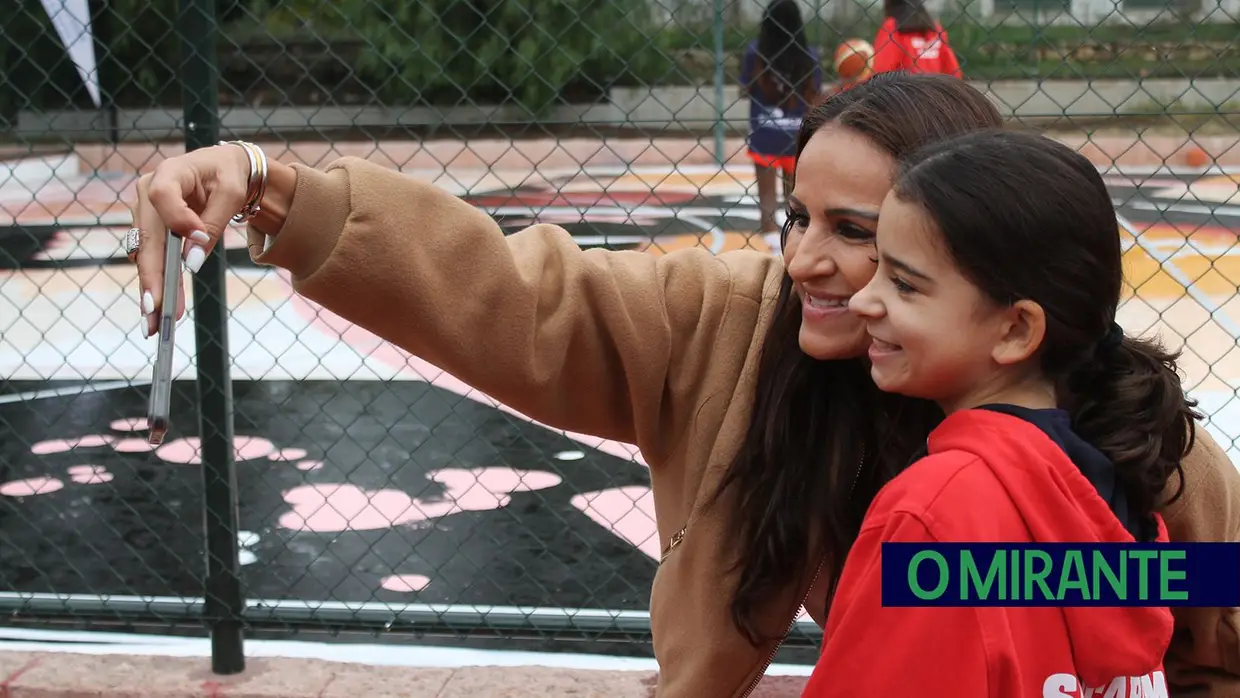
x=132 y=238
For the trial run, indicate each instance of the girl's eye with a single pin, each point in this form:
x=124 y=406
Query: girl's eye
x=797 y=219
x=901 y=286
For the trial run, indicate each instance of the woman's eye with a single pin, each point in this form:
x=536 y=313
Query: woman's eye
x=854 y=232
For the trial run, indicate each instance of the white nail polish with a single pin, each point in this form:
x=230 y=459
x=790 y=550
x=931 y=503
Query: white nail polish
x=199 y=237
x=194 y=259
x=148 y=303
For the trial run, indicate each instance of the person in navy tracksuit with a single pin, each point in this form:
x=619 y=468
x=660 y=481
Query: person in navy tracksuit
x=782 y=77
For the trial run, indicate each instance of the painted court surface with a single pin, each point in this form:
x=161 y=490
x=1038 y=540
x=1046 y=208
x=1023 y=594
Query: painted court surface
x=364 y=473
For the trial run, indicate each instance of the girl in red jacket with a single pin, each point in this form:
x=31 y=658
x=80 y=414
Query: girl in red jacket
x=911 y=39
x=999 y=276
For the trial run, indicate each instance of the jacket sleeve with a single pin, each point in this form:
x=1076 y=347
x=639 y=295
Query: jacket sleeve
x=889 y=52
x=608 y=343
x=870 y=650
x=1204 y=658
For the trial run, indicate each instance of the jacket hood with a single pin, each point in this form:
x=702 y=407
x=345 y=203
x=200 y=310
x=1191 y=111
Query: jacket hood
x=1066 y=491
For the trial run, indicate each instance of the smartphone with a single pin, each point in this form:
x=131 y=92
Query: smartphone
x=161 y=383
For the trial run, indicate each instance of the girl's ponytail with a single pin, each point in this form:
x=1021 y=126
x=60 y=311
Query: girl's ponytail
x=1127 y=400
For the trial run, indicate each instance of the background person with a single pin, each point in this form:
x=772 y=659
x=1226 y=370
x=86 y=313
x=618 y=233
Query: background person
x=911 y=39
x=782 y=77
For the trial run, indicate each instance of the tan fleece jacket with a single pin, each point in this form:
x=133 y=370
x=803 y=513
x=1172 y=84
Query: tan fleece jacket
x=658 y=351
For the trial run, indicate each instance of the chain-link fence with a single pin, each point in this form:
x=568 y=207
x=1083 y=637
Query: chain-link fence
x=345 y=485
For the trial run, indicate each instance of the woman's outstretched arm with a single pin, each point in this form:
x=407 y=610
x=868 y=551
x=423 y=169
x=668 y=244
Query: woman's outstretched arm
x=613 y=344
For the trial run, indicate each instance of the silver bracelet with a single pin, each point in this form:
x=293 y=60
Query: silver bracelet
x=257 y=184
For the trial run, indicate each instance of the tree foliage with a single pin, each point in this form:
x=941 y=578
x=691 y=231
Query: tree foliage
x=399 y=52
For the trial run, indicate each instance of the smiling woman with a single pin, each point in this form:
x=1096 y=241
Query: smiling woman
x=829 y=243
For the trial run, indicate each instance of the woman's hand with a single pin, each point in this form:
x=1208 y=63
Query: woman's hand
x=195 y=195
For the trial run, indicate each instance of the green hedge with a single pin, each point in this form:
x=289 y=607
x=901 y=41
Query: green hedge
x=401 y=53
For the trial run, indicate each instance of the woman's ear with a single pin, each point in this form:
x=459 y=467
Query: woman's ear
x=1022 y=333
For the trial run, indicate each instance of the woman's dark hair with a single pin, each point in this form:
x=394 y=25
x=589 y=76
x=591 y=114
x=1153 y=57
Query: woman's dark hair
x=799 y=487
x=1026 y=217
x=911 y=16
x=785 y=66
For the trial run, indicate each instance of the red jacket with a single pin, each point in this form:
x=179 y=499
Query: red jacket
x=921 y=52
x=992 y=476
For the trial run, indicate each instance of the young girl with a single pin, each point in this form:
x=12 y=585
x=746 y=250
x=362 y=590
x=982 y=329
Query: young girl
x=782 y=77
x=911 y=39
x=998 y=280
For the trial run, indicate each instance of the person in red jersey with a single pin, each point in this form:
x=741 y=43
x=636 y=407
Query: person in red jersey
x=999 y=277
x=912 y=40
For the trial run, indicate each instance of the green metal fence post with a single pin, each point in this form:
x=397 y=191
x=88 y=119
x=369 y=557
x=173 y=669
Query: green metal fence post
x=224 y=603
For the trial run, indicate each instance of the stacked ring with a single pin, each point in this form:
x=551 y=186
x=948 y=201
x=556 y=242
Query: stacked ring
x=133 y=238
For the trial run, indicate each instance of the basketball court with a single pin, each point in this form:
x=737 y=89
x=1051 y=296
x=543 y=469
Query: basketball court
x=367 y=475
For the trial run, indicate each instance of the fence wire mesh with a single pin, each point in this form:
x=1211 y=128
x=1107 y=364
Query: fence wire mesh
x=374 y=491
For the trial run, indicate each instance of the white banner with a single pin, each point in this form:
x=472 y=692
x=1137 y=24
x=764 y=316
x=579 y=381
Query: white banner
x=72 y=21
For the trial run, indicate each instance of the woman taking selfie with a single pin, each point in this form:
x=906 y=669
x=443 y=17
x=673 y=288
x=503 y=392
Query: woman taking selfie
x=741 y=379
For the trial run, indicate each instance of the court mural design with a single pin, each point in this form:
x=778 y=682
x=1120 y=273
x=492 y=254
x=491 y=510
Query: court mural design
x=366 y=474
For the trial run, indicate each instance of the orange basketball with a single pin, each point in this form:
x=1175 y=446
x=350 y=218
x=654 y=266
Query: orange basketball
x=1196 y=157
x=852 y=59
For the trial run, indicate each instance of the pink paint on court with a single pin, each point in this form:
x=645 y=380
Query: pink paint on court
x=628 y=512
x=332 y=508
x=44 y=448
x=30 y=487
x=404 y=582
x=132 y=446
x=286 y=454
x=189 y=450
x=185 y=450
x=89 y=474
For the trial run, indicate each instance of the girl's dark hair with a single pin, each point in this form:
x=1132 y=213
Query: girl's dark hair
x=798 y=488
x=1026 y=217
x=911 y=16
x=785 y=66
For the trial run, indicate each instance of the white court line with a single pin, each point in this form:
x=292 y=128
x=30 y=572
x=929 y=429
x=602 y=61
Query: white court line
x=587 y=240
x=1145 y=205
x=717 y=239
x=636 y=211
x=71 y=390
x=23 y=640
x=1213 y=170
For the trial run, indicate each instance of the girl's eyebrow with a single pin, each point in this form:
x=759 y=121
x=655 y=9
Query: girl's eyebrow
x=903 y=267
